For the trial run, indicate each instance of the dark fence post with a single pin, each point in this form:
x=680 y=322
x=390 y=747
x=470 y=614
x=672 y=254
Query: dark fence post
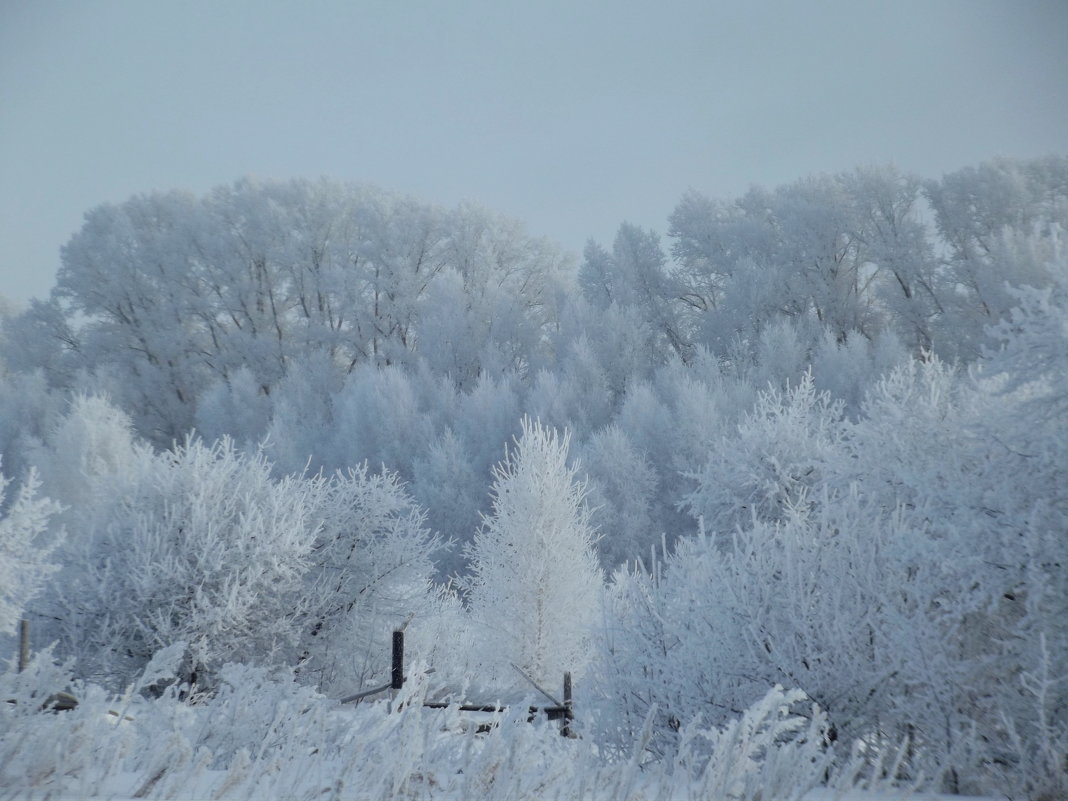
x=397 y=675
x=24 y=644
x=569 y=713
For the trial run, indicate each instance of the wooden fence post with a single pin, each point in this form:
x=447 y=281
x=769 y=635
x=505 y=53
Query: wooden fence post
x=24 y=644
x=569 y=714
x=397 y=674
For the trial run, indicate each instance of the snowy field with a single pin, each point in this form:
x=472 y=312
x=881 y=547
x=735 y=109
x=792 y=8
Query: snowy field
x=259 y=738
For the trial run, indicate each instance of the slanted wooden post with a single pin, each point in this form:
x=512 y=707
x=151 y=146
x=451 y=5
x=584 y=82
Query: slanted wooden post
x=569 y=712
x=397 y=676
x=24 y=644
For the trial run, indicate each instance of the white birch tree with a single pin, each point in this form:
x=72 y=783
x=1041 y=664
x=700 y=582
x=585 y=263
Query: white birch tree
x=536 y=582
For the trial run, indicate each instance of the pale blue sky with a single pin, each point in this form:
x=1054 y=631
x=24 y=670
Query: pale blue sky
x=572 y=116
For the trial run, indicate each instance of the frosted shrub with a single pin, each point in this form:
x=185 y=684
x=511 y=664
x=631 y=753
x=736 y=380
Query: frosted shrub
x=825 y=600
x=262 y=736
x=253 y=710
x=977 y=463
x=197 y=544
x=127 y=746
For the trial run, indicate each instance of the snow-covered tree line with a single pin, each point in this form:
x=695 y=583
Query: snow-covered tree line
x=820 y=443
x=169 y=302
x=167 y=297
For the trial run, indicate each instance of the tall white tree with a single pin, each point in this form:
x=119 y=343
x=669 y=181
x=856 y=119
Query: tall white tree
x=535 y=579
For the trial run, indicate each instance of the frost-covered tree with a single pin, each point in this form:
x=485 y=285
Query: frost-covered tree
x=372 y=563
x=853 y=252
x=80 y=454
x=234 y=406
x=905 y=277
x=787 y=446
x=576 y=395
x=302 y=419
x=634 y=275
x=535 y=581
x=378 y=416
x=446 y=484
x=28 y=411
x=901 y=567
x=490 y=309
x=451 y=475
x=846 y=370
x=794 y=252
x=951 y=453
x=25 y=548
x=126 y=275
x=169 y=296
x=671 y=420
x=999 y=224
x=618 y=339
x=622 y=483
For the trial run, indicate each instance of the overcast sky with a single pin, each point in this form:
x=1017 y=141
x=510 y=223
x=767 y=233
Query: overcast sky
x=572 y=115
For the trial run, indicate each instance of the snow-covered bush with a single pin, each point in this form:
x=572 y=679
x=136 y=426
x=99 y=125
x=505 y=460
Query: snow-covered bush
x=198 y=544
x=977 y=464
x=808 y=601
x=74 y=750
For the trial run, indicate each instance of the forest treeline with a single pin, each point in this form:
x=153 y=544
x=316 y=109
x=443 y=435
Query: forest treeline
x=816 y=438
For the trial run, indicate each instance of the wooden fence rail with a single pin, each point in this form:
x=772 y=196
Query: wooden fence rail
x=564 y=712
